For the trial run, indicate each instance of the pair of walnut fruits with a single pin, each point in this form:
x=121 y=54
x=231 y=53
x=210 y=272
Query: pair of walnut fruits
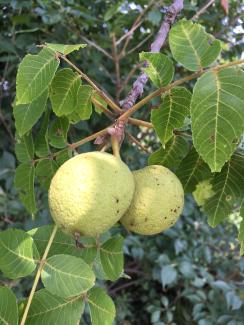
x=92 y=191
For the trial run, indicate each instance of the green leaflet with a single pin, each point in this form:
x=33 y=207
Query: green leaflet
x=228 y=188
x=192 y=46
x=17 y=253
x=160 y=68
x=192 y=170
x=41 y=139
x=8 y=307
x=170 y=156
x=175 y=106
x=101 y=101
x=24 y=182
x=57 y=132
x=24 y=148
x=26 y=115
x=35 y=73
x=67 y=276
x=102 y=309
x=64 y=244
x=217 y=115
x=112 y=257
x=64 y=92
x=45 y=170
x=84 y=107
x=64 y=48
x=50 y=309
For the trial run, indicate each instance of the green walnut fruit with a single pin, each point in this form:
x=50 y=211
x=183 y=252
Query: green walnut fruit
x=157 y=203
x=90 y=192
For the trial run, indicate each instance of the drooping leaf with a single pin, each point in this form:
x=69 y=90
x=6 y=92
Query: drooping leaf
x=57 y=132
x=26 y=115
x=218 y=115
x=192 y=170
x=8 y=307
x=34 y=75
x=64 y=48
x=17 y=253
x=24 y=182
x=170 y=156
x=84 y=106
x=64 y=91
x=41 y=139
x=102 y=309
x=192 y=46
x=102 y=103
x=64 y=244
x=112 y=257
x=49 y=309
x=67 y=276
x=228 y=187
x=45 y=170
x=159 y=68
x=24 y=148
x=175 y=106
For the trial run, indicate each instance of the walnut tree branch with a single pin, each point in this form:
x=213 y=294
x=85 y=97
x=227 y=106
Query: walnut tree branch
x=138 y=86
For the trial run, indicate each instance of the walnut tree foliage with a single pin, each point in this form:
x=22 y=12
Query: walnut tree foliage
x=200 y=132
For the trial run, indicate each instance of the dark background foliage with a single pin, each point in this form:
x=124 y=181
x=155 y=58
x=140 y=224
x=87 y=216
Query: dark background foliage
x=191 y=274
